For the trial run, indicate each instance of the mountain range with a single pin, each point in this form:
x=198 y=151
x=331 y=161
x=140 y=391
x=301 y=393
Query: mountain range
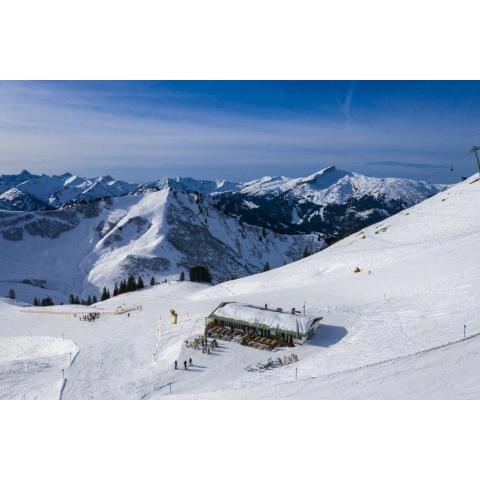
x=332 y=202
x=70 y=234
x=30 y=192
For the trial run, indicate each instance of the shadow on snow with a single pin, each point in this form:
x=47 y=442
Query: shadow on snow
x=328 y=335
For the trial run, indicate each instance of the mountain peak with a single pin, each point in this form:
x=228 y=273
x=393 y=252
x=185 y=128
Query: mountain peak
x=323 y=178
x=326 y=170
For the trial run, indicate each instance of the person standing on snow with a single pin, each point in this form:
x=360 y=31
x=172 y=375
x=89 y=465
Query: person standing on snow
x=175 y=364
x=190 y=362
x=185 y=365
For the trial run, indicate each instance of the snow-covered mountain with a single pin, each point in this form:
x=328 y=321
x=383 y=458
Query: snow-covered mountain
x=81 y=248
x=189 y=184
x=331 y=201
x=26 y=191
x=30 y=192
x=399 y=308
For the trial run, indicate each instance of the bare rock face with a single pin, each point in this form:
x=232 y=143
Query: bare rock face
x=47 y=228
x=136 y=264
x=141 y=224
x=13 y=234
x=89 y=210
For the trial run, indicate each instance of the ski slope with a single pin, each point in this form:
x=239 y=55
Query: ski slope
x=393 y=330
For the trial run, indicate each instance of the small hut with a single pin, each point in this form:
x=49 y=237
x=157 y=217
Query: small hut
x=287 y=327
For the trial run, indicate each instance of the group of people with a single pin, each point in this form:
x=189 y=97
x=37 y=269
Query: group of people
x=287 y=359
x=203 y=343
x=185 y=364
x=90 y=317
x=198 y=343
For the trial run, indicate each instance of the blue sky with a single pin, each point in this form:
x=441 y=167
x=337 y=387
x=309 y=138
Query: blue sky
x=240 y=130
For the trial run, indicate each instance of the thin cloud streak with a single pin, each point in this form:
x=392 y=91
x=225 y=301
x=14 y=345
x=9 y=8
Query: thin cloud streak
x=418 y=165
x=50 y=131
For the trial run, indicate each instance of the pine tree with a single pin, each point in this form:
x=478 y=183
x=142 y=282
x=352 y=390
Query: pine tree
x=266 y=267
x=182 y=276
x=94 y=299
x=105 y=295
x=131 y=284
x=77 y=300
x=140 y=283
x=115 y=290
x=35 y=302
x=200 y=274
x=71 y=299
x=46 y=302
x=11 y=294
x=152 y=281
x=89 y=300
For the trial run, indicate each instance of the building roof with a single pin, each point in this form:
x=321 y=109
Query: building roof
x=243 y=312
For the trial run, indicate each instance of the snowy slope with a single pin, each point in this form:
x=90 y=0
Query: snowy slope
x=83 y=248
x=396 y=332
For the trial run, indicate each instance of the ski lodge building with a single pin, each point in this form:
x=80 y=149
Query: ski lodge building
x=287 y=328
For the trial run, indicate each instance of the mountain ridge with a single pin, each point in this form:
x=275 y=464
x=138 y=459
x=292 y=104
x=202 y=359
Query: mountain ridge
x=81 y=248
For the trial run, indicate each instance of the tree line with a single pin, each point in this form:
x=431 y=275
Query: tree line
x=76 y=300
x=44 y=302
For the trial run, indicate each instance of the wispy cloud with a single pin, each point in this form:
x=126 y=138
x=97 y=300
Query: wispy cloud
x=347 y=104
x=50 y=130
x=417 y=165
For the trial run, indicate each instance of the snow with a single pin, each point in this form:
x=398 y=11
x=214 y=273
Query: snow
x=249 y=204
x=14 y=349
x=96 y=251
x=254 y=315
x=25 y=292
x=396 y=332
x=31 y=366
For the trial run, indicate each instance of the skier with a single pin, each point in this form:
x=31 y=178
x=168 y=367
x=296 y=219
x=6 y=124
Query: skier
x=190 y=362
x=185 y=364
x=175 y=364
